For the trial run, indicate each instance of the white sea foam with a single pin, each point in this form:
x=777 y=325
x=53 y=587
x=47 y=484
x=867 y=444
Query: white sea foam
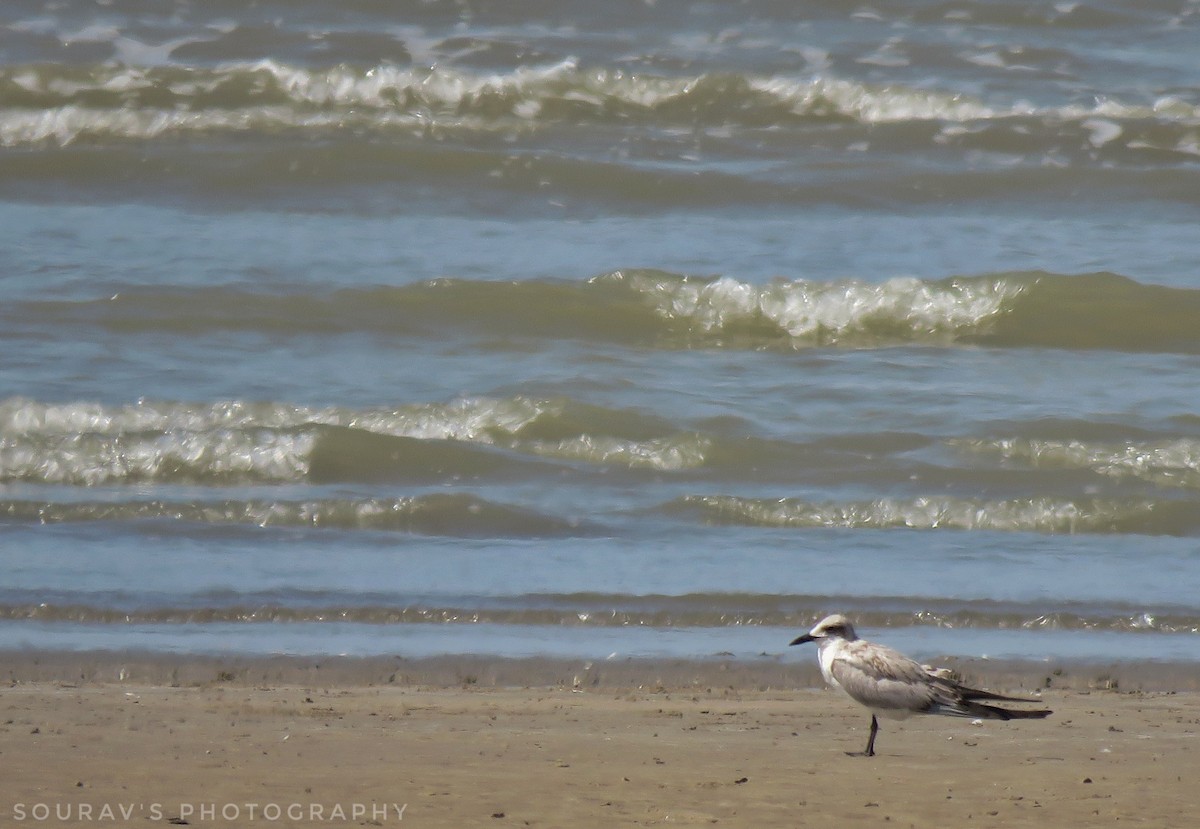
x=395 y=97
x=1166 y=463
x=88 y=443
x=474 y=419
x=925 y=513
x=664 y=454
x=65 y=125
x=94 y=459
x=872 y=104
x=1102 y=131
x=850 y=312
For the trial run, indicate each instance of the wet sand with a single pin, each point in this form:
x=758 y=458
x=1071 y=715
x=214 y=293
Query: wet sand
x=289 y=742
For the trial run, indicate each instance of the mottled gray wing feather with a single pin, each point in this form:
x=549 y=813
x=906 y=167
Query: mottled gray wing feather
x=881 y=678
x=886 y=680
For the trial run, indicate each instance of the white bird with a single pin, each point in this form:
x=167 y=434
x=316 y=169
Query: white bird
x=891 y=685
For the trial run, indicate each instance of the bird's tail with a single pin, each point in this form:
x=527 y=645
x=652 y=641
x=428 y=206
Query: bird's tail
x=962 y=701
x=974 y=694
x=995 y=712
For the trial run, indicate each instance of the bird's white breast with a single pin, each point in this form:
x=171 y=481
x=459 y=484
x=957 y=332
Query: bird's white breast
x=826 y=654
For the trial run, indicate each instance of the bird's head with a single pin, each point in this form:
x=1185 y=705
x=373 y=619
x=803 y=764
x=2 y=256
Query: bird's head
x=836 y=626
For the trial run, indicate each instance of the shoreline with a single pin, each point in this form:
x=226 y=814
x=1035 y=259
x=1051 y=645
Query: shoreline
x=482 y=671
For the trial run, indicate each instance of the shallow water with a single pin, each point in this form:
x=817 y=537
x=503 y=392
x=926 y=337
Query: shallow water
x=599 y=328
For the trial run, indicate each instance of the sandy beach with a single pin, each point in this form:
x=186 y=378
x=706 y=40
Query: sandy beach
x=301 y=743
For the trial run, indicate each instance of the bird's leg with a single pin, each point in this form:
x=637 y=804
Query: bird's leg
x=870 y=752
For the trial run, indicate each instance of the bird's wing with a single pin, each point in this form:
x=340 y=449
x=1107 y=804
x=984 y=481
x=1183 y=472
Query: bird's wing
x=881 y=678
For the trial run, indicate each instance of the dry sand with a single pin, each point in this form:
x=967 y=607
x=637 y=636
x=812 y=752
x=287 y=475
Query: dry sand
x=318 y=747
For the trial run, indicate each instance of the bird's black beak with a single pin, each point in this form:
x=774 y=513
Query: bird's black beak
x=800 y=640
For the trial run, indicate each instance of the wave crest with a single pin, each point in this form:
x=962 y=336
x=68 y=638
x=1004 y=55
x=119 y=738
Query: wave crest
x=455 y=515
x=806 y=313
x=234 y=442
x=48 y=102
x=1038 y=515
x=1170 y=462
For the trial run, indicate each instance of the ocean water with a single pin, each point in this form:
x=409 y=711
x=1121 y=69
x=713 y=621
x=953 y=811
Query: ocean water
x=600 y=328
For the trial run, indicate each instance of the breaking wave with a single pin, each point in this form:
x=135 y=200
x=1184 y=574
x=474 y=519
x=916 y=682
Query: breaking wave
x=660 y=309
x=1035 y=515
x=457 y=515
x=62 y=104
x=1173 y=462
